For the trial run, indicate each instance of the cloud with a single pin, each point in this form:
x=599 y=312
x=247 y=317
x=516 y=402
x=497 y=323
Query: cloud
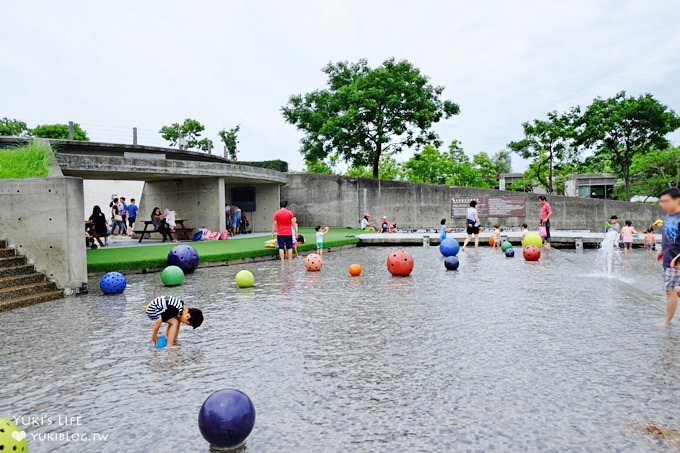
x=111 y=66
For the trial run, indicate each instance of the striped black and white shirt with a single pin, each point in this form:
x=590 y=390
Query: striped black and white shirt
x=165 y=307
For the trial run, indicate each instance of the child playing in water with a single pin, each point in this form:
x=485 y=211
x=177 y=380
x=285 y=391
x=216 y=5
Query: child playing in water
x=320 y=232
x=627 y=233
x=497 y=236
x=650 y=240
x=171 y=310
x=443 y=230
x=525 y=230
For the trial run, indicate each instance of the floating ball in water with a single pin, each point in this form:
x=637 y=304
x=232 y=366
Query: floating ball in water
x=492 y=241
x=226 y=418
x=172 y=276
x=313 y=262
x=400 y=263
x=506 y=245
x=532 y=238
x=185 y=257
x=112 y=283
x=510 y=253
x=161 y=342
x=532 y=253
x=451 y=263
x=12 y=438
x=245 y=279
x=354 y=270
x=449 y=247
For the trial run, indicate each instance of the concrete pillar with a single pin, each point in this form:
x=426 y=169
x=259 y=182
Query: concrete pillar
x=222 y=200
x=134 y=135
x=70 y=130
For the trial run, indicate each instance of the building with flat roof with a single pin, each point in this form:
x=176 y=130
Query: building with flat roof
x=590 y=185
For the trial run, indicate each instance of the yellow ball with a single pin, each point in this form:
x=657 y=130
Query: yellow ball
x=245 y=279
x=12 y=438
x=532 y=239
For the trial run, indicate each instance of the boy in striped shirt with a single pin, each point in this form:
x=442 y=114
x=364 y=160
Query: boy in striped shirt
x=171 y=310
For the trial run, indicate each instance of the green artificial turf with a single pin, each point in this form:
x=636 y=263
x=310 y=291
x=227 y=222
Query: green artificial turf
x=29 y=161
x=155 y=256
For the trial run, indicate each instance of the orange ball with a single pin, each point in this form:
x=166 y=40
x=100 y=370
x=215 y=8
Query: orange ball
x=354 y=270
x=491 y=241
x=313 y=262
x=400 y=263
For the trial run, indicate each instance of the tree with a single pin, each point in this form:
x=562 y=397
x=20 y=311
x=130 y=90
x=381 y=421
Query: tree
x=318 y=166
x=463 y=174
x=364 y=112
x=547 y=143
x=655 y=171
x=186 y=135
x=390 y=170
x=59 y=132
x=502 y=160
x=14 y=128
x=429 y=166
x=623 y=127
x=230 y=140
x=486 y=171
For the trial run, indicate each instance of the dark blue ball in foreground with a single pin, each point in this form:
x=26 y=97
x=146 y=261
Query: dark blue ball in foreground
x=185 y=257
x=112 y=283
x=510 y=253
x=226 y=418
x=449 y=247
x=451 y=263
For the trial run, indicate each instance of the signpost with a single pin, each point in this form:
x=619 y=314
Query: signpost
x=491 y=206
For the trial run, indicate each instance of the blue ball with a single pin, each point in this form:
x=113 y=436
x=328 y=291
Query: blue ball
x=451 y=263
x=161 y=342
x=112 y=283
x=449 y=247
x=510 y=253
x=185 y=257
x=226 y=418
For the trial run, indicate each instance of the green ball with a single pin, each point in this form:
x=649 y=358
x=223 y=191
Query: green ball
x=506 y=245
x=172 y=276
x=532 y=239
x=12 y=438
x=245 y=279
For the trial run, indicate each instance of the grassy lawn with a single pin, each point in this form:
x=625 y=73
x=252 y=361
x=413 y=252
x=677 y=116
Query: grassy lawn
x=155 y=256
x=28 y=161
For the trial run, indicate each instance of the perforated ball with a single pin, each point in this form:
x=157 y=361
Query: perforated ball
x=400 y=263
x=12 y=438
x=185 y=257
x=112 y=283
x=313 y=262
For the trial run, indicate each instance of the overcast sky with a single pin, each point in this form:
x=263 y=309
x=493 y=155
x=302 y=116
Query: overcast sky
x=114 y=65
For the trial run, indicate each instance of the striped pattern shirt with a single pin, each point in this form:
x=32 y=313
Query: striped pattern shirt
x=165 y=307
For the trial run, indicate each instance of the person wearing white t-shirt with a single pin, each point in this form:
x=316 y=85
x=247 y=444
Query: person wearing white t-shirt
x=472 y=225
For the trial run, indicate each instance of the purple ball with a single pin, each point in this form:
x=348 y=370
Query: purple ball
x=226 y=418
x=185 y=257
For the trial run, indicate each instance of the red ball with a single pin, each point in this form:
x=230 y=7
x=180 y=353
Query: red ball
x=400 y=263
x=532 y=253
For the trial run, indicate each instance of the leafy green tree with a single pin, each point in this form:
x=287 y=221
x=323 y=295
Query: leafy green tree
x=230 y=140
x=502 y=160
x=623 y=127
x=14 y=128
x=547 y=143
x=485 y=168
x=463 y=174
x=429 y=166
x=364 y=112
x=655 y=171
x=188 y=132
x=390 y=170
x=59 y=132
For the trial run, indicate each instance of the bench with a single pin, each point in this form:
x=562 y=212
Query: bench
x=181 y=231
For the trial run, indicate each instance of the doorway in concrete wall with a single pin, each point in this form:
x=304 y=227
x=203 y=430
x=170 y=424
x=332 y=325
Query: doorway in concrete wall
x=244 y=197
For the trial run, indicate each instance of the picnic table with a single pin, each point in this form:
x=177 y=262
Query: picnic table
x=181 y=230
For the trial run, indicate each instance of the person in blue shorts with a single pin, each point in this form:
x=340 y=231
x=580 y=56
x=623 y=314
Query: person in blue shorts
x=173 y=311
x=235 y=219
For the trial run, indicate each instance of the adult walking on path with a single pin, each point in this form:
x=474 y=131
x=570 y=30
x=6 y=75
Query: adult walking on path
x=283 y=225
x=669 y=200
x=544 y=218
x=472 y=224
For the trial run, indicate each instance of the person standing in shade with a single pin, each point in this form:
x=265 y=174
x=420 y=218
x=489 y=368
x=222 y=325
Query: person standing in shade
x=669 y=200
x=283 y=226
x=131 y=216
x=472 y=224
x=544 y=217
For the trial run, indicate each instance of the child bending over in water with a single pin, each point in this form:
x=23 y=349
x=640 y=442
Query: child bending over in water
x=171 y=310
x=650 y=240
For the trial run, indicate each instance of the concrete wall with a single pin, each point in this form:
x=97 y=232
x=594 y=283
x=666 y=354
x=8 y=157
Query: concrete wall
x=266 y=201
x=341 y=201
x=98 y=192
x=43 y=219
x=200 y=200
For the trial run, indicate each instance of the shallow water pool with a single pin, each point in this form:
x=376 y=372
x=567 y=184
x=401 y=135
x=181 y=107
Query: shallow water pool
x=502 y=354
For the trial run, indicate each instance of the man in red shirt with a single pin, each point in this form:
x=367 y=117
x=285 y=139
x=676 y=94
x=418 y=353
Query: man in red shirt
x=282 y=228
